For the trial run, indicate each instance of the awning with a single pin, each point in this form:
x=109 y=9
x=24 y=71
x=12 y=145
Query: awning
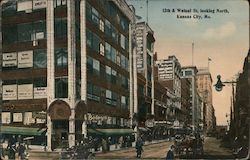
x=22 y=130
x=111 y=132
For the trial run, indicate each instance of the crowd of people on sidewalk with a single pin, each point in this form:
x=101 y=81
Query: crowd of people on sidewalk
x=16 y=145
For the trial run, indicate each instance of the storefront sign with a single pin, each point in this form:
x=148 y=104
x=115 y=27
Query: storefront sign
x=25 y=91
x=10 y=92
x=17 y=117
x=40 y=92
x=25 y=59
x=28 y=119
x=96 y=118
x=39 y=115
x=39 y=4
x=5 y=117
x=9 y=59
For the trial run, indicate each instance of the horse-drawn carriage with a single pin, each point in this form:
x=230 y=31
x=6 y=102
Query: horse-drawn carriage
x=188 y=145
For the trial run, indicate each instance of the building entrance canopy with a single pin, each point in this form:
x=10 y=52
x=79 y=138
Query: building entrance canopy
x=111 y=132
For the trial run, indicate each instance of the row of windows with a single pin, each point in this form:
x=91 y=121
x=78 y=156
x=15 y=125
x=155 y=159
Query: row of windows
x=96 y=68
x=24 y=32
x=106 y=96
x=12 y=60
x=96 y=43
x=38 y=82
x=11 y=7
x=105 y=26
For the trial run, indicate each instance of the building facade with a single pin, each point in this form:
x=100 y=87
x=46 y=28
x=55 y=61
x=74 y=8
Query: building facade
x=204 y=84
x=70 y=60
x=169 y=75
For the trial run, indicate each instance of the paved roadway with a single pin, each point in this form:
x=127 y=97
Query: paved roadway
x=151 y=151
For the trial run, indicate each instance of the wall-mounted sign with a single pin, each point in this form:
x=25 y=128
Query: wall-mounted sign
x=25 y=59
x=139 y=48
x=9 y=59
x=24 y=5
x=10 y=92
x=39 y=115
x=17 y=117
x=28 y=119
x=25 y=91
x=40 y=92
x=5 y=117
x=39 y=4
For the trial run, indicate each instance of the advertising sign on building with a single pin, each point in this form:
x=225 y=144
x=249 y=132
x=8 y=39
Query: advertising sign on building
x=25 y=59
x=5 y=117
x=139 y=48
x=9 y=59
x=40 y=92
x=24 y=5
x=39 y=4
x=25 y=91
x=17 y=117
x=10 y=92
x=28 y=119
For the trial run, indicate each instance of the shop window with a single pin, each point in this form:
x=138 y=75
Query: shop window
x=61 y=57
x=61 y=87
x=60 y=27
x=40 y=58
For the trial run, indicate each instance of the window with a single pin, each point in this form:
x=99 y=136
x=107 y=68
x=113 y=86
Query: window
x=123 y=61
x=9 y=8
x=113 y=55
x=9 y=34
x=89 y=38
x=108 y=97
x=40 y=58
x=108 y=74
x=122 y=41
x=107 y=28
x=101 y=25
x=61 y=57
x=60 y=27
x=114 y=34
x=107 y=50
x=123 y=101
x=113 y=76
x=39 y=30
x=61 y=87
x=40 y=82
x=96 y=42
x=188 y=73
x=94 y=92
x=59 y=3
x=102 y=49
x=96 y=67
x=89 y=65
x=118 y=58
x=124 y=23
x=95 y=16
x=24 y=32
x=78 y=88
x=124 y=82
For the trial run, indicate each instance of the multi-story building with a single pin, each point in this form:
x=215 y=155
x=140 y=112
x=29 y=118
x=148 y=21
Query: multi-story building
x=186 y=101
x=69 y=59
x=204 y=83
x=169 y=75
x=145 y=67
x=190 y=73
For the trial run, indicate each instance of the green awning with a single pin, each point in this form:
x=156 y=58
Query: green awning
x=28 y=131
x=111 y=132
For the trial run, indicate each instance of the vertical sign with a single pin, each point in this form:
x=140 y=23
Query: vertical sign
x=139 y=48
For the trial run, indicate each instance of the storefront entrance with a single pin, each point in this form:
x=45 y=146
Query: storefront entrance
x=59 y=112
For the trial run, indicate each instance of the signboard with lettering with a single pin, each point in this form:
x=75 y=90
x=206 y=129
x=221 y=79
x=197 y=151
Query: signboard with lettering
x=5 y=117
x=25 y=59
x=10 y=92
x=17 y=117
x=39 y=115
x=40 y=92
x=9 y=59
x=25 y=91
x=24 y=5
x=39 y=4
x=139 y=48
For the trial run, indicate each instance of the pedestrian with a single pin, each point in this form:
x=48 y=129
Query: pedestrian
x=139 y=147
x=21 y=151
x=170 y=154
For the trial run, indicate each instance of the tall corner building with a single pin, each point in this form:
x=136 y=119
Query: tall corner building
x=204 y=84
x=65 y=69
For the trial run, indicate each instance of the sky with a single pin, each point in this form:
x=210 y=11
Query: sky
x=224 y=37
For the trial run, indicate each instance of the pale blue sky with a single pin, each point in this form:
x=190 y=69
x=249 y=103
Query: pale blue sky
x=224 y=38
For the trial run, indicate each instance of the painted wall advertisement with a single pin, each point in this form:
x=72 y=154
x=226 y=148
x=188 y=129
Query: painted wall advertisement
x=10 y=92
x=139 y=48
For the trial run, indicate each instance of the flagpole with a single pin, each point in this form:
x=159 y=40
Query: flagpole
x=192 y=53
